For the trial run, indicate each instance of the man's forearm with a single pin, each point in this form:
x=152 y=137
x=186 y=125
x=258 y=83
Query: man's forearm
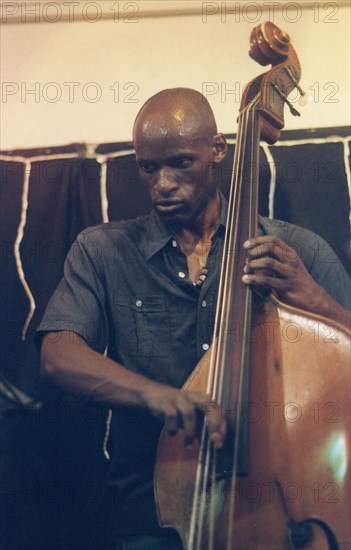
x=332 y=310
x=68 y=362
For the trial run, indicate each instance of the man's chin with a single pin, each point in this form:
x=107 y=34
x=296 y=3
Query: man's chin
x=177 y=216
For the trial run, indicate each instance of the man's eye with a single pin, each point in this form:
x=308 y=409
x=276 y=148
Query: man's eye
x=147 y=167
x=182 y=163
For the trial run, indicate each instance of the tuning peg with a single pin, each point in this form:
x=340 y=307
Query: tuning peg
x=305 y=99
x=293 y=111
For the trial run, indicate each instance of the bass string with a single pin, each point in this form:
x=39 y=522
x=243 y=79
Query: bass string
x=206 y=463
x=206 y=472
x=237 y=219
x=232 y=255
x=204 y=469
x=241 y=429
x=225 y=286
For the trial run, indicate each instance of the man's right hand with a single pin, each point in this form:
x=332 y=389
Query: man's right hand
x=182 y=409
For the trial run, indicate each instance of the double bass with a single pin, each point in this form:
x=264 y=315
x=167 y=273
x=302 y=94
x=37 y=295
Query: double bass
x=280 y=374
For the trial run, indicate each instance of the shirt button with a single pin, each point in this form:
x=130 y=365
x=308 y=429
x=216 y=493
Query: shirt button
x=205 y=347
x=181 y=274
x=174 y=243
x=203 y=303
x=139 y=303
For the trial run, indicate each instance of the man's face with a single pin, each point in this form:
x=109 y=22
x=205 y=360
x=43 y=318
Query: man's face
x=177 y=169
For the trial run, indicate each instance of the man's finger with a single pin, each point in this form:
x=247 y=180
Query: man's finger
x=171 y=421
x=270 y=246
x=269 y=265
x=190 y=424
x=187 y=417
x=264 y=281
x=216 y=423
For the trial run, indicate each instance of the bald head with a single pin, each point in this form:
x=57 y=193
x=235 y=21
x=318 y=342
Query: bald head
x=177 y=148
x=177 y=111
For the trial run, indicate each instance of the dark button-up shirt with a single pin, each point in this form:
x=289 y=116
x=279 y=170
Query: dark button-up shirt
x=126 y=286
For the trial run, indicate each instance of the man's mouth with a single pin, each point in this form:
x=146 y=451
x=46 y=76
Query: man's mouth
x=166 y=206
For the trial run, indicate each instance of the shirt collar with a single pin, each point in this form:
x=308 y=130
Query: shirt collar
x=157 y=234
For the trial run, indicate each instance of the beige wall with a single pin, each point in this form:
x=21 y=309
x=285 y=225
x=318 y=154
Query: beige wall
x=141 y=55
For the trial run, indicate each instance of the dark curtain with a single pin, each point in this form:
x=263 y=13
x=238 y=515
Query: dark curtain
x=52 y=467
x=312 y=192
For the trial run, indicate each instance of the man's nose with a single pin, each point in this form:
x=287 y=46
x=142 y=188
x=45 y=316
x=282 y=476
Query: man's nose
x=165 y=182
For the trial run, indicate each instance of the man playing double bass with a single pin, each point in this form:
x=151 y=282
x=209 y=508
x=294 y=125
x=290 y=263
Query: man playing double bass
x=148 y=288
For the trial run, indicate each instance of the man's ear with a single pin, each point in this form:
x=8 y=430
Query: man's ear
x=220 y=148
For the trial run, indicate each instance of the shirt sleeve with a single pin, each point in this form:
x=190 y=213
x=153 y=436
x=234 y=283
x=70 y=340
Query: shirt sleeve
x=319 y=258
x=78 y=303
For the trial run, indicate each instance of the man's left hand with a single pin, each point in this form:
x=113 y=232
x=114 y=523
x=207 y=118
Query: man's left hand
x=272 y=263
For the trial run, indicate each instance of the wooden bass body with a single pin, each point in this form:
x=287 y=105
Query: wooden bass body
x=299 y=444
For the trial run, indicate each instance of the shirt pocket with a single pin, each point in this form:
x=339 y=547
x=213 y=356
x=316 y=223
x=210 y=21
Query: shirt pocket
x=143 y=326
